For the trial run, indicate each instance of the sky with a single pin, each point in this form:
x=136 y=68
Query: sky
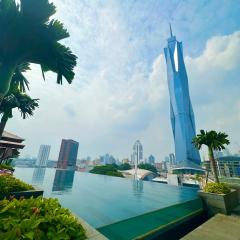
x=120 y=93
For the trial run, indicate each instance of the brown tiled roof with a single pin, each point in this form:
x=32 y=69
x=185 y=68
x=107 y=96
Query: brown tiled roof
x=10 y=135
x=11 y=144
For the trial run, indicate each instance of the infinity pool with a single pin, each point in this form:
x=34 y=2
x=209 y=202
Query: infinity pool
x=103 y=200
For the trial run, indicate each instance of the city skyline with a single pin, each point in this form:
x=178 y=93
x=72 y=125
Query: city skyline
x=120 y=92
x=168 y=157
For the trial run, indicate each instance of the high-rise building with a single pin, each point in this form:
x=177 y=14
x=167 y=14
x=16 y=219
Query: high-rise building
x=172 y=159
x=43 y=155
x=107 y=159
x=182 y=116
x=137 y=156
x=68 y=154
x=151 y=160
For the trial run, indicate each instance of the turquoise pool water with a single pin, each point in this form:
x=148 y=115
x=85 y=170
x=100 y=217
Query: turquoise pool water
x=103 y=200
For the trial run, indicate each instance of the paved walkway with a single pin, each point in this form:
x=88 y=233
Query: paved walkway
x=219 y=227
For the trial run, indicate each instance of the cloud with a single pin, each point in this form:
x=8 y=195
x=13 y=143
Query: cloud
x=117 y=96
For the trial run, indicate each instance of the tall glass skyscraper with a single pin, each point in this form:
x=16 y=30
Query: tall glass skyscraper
x=182 y=116
x=43 y=155
x=68 y=154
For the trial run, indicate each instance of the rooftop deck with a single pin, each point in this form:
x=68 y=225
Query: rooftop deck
x=219 y=227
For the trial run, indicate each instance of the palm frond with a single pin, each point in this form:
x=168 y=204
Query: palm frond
x=16 y=99
x=213 y=139
x=37 y=11
x=29 y=36
x=60 y=60
x=19 y=80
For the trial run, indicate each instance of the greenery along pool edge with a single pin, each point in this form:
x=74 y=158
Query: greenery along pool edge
x=39 y=219
x=9 y=184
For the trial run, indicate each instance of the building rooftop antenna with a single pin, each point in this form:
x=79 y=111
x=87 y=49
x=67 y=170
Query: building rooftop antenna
x=170 y=29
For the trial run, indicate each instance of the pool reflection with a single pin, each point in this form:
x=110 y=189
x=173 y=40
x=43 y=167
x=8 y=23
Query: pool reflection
x=38 y=176
x=137 y=188
x=63 y=180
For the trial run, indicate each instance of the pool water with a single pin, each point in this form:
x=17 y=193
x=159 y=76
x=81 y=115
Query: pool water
x=102 y=200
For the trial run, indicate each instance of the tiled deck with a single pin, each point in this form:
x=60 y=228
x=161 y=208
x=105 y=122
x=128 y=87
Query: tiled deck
x=219 y=227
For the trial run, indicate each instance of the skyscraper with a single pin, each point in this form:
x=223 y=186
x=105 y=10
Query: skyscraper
x=172 y=159
x=43 y=155
x=137 y=156
x=182 y=116
x=68 y=154
x=151 y=160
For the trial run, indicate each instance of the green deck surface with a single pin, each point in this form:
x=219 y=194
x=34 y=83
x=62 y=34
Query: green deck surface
x=152 y=222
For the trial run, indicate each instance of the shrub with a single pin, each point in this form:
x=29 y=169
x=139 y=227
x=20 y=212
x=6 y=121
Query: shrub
x=124 y=166
x=9 y=184
x=114 y=174
x=148 y=167
x=108 y=170
x=220 y=188
x=38 y=219
x=4 y=166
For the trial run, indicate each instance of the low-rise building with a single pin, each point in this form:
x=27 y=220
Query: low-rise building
x=228 y=166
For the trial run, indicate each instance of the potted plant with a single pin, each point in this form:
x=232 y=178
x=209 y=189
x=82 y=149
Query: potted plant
x=11 y=187
x=217 y=197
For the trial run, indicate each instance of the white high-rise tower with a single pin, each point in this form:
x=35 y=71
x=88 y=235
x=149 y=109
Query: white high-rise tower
x=43 y=155
x=137 y=156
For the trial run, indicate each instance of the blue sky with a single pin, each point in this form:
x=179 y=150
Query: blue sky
x=120 y=93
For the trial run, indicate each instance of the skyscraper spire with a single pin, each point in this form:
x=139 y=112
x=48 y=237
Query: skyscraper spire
x=170 y=29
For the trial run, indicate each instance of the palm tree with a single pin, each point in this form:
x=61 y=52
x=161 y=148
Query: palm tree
x=29 y=36
x=214 y=141
x=16 y=99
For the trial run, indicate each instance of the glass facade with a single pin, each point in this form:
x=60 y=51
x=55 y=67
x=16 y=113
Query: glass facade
x=182 y=116
x=68 y=154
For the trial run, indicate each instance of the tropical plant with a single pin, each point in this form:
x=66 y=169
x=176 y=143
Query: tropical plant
x=219 y=188
x=9 y=184
x=214 y=141
x=29 y=36
x=38 y=219
x=16 y=99
x=147 y=166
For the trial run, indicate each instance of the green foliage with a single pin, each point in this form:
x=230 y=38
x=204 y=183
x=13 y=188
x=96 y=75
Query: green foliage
x=109 y=170
x=214 y=140
x=29 y=34
x=5 y=166
x=147 y=166
x=16 y=99
x=9 y=184
x=220 y=188
x=38 y=219
x=124 y=166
